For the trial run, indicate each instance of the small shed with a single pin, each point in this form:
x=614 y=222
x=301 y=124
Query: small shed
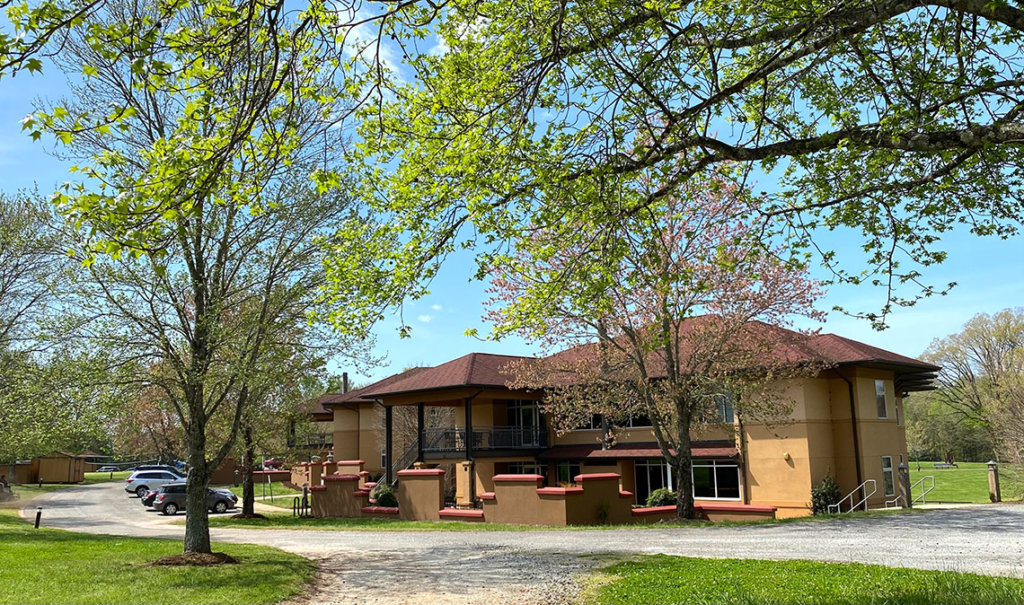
x=59 y=467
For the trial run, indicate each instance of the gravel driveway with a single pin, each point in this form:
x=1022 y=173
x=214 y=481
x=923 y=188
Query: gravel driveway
x=539 y=566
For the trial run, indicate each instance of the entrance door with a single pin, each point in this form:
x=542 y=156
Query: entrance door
x=525 y=417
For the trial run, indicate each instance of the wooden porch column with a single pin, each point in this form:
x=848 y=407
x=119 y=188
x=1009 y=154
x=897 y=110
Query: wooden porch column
x=387 y=444
x=469 y=428
x=419 y=432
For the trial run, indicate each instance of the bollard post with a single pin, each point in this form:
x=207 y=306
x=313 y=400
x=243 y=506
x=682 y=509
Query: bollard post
x=39 y=515
x=993 y=482
x=904 y=486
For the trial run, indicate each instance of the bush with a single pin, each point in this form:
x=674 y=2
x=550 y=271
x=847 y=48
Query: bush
x=384 y=495
x=826 y=493
x=661 y=497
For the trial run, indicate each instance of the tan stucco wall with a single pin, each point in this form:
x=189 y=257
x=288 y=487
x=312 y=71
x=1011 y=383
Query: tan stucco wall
x=346 y=433
x=420 y=495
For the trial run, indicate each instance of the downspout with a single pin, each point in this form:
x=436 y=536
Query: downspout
x=856 y=439
x=743 y=458
x=469 y=442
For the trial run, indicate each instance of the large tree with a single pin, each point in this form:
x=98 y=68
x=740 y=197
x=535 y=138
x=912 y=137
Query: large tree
x=682 y=317
x=201 y=233
x=900 y=120
x=982 y=377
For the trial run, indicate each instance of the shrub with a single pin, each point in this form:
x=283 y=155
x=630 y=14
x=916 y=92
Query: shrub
x=826 y=493
x=384 y=495
x=661 y=497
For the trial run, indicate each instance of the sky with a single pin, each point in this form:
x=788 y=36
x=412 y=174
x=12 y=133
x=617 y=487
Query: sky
x=989 y=271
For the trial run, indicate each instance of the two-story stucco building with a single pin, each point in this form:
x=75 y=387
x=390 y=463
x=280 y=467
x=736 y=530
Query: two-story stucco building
x=847 y=422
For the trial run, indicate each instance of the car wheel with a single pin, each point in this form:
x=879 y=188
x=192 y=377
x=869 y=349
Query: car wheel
x=141 y=490
x=220 y=507
x=170 y=508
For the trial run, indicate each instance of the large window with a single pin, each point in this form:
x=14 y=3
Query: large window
x=712 y=479
x=726 y=415
x=638 y=421
x=716 y=480
x=567 y=472
x=880 y=399
x=887 y=481
x=650 y=475
x=527 y=468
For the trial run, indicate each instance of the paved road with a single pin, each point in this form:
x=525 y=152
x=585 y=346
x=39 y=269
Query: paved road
x=538 y=566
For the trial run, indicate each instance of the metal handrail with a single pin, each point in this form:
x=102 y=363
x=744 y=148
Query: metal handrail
x=485 y=438
x=894 y=502
x=924 y=492
x=838 y=506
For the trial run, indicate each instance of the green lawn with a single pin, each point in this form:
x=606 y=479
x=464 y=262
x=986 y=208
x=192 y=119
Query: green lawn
x=287 y=521
x=91 y=478
x=283 y=496
x=54 y=566
x=968 y=483
x=664 y=579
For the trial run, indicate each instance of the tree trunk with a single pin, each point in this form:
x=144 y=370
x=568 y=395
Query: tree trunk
x=248 y=462
x=683 y=471
x=197 y=521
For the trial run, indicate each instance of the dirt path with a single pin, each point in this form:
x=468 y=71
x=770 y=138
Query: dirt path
x=540 y=566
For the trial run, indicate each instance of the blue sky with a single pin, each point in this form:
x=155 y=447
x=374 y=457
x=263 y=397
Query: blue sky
x=990 y=272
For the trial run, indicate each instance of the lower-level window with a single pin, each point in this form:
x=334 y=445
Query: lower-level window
x=651 y=475
x=887 y=481
x=567 y=471
x=716 y=479
x=712 y=479
x=527 y=468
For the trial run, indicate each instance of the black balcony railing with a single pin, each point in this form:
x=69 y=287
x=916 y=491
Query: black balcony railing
x=484 y=439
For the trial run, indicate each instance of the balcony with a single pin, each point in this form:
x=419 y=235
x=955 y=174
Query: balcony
x=486 y=439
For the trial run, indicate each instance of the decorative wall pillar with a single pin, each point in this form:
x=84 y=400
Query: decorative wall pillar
x=993 y=482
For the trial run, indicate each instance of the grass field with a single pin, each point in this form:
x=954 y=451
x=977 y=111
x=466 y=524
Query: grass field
x=54 y=566
x=968 y=483
x=661 y=579
x=283 y=496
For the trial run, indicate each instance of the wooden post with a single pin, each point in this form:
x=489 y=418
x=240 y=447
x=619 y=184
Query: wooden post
x=387 y=444
x=993 y=482
x=419 y=432
x=903 y=486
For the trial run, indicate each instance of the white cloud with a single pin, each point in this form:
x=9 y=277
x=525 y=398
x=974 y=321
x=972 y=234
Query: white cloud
x=425 y=318
x=436 y=307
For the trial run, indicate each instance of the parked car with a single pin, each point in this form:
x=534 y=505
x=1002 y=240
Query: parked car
x=171 y=499
x=108 y=469
x=141 y=482
x=160 y=467
x=271 y=464
x=148 y=497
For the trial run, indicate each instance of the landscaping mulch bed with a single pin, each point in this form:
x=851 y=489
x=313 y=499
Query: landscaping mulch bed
x=197 y=559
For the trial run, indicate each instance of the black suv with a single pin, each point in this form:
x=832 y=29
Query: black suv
x=171 y=499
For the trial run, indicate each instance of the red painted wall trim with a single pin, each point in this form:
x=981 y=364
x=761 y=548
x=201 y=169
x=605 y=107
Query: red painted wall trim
x=487 y=496
x=380 y=510
x=421 y=472
x=337 y=477
x=318 y=488
x=625 y=494
x=596 y=476
x=518 y=478
x=559 y=491
x=350 y=462
x=455 y=512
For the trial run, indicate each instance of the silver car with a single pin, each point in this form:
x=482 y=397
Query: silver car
x=140 y=482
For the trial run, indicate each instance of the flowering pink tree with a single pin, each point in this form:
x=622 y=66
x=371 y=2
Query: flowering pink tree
x=677 y=309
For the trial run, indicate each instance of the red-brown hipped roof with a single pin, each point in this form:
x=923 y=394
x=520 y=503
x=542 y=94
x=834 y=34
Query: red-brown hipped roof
x=484 y=370
x=359 y=395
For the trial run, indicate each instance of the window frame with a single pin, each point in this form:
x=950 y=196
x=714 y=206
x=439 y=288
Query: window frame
x=888 y=488
x=714 y=465
x=881 y=400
